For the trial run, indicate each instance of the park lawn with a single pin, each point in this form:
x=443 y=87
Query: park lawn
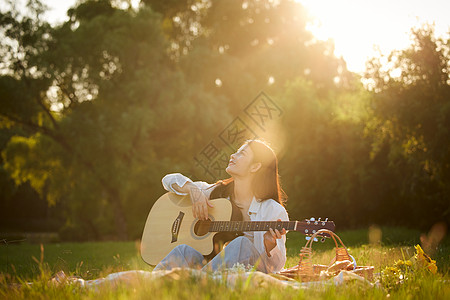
x=36 y=263
x=88 y=260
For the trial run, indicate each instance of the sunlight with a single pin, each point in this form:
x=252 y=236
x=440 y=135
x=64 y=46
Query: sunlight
x=362 y=28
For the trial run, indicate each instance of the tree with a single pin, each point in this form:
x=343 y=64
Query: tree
x=99 y=97
x=238 y=48
x=411 y=107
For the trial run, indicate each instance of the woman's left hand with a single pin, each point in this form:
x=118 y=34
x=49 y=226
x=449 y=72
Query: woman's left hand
x=270 y=238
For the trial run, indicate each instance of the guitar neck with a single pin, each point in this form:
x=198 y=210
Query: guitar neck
x=239 y=226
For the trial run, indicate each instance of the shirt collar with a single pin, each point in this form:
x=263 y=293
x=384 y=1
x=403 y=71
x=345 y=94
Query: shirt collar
x=254 y=206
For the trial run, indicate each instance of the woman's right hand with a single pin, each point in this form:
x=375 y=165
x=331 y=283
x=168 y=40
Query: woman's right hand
x=200 y=202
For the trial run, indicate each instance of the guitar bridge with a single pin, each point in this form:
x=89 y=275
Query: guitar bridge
x=176 y=226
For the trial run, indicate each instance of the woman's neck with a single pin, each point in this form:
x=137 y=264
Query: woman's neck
x=243 y=193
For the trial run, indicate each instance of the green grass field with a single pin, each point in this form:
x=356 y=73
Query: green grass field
x=36 y=263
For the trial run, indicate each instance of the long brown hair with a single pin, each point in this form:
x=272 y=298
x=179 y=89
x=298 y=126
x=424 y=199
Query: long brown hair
x=266 y=183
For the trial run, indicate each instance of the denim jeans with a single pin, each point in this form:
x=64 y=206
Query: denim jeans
x=240 y=250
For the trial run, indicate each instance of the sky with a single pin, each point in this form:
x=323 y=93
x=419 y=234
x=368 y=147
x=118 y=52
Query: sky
x=354 y=25
x=358 y=27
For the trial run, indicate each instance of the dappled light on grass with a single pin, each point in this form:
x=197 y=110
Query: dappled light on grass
x=375 y=235
x=431 y=241
x=90 y=261
x=182 y=285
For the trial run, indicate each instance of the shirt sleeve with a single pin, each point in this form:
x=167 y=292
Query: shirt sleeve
x=272 y=211
x=277 y=256
x=181 y=180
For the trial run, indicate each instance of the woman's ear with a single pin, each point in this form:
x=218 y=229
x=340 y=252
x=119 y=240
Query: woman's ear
x=255 y=167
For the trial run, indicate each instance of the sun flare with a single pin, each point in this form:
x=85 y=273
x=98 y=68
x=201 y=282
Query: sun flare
x=360 y=28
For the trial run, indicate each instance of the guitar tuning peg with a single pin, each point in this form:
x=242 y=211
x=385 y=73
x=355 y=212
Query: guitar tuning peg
x=318 y=220
x=326 y=220
x=308 y=238
x=312 y=219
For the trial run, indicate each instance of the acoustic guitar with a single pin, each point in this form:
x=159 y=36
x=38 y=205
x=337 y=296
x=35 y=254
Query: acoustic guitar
x=170 y=223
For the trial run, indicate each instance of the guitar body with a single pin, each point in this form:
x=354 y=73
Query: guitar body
x=170 y=223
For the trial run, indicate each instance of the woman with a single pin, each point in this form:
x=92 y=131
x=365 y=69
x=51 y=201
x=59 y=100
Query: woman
x=254 y=188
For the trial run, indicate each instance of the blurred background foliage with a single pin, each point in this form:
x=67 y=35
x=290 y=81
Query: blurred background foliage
x=95 y=111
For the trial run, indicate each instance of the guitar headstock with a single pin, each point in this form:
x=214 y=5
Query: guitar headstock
x=311 y=226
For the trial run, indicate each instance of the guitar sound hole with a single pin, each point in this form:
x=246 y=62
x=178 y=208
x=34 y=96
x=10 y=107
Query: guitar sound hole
x=202 y=227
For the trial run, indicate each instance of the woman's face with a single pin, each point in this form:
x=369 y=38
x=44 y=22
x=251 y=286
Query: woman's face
x=241 y=162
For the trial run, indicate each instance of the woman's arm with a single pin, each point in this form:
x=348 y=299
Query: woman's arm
x=270 y=238
x=273 y=247
x=185 y=189
x=199 y=192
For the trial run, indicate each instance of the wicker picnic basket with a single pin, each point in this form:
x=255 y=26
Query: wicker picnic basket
x=306 y=271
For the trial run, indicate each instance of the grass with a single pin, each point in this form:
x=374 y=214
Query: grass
x=88 y=260
x=33 y=263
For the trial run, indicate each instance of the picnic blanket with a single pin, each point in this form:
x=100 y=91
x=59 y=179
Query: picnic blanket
x=250 y=279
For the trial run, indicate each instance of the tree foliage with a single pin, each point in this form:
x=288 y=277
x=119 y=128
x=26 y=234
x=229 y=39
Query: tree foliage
x=96 y=110
x=411 y=121
x=110 y=100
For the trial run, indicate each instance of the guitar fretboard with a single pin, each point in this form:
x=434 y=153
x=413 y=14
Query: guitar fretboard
x=238 y=226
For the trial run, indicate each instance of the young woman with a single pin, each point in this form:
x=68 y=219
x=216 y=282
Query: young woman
x=255 y=190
